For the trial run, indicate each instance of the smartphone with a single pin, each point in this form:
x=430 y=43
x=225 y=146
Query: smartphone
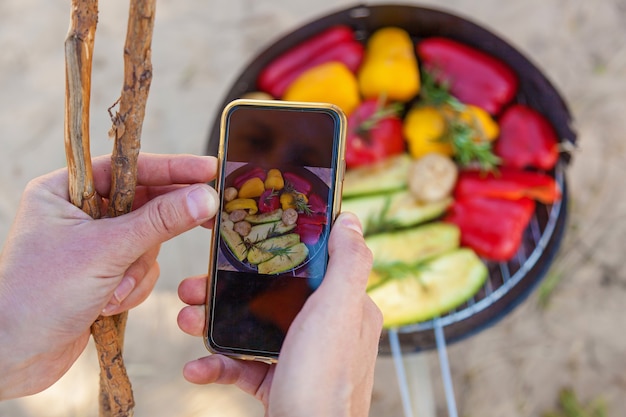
x=280 y=176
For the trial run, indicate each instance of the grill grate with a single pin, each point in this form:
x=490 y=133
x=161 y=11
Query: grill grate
x=542 y=234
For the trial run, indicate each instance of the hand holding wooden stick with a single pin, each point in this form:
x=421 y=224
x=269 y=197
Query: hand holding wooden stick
x=116 y=397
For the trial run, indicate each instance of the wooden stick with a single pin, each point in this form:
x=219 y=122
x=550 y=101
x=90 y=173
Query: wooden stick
x=78 y=62
x=116 y=394
x=126 y=130
x=78 y=58
x=128 y=121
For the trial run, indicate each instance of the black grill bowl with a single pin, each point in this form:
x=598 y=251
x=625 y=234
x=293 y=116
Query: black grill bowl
x=509 y=283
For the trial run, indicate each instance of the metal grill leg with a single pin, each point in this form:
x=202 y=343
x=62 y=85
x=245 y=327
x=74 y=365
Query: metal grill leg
x=413 y=377
x=407 y=404
x=397 y=360
x=445 y=369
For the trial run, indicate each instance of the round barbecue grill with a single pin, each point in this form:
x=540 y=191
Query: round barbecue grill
x=509 y=282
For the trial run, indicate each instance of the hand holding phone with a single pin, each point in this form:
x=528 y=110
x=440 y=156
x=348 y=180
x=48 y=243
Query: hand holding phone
x=327 y=360
x=279 y=179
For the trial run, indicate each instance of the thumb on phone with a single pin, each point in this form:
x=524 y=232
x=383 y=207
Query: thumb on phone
x=350 y=260
x=163 y=218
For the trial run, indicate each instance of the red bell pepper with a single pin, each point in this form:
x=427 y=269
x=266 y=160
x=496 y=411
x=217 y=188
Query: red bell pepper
x=527 y=139
x=336 y=43
x=269 y=201
x=374 y=133
x=317 y=204
x=310 y=227
x=253 y=173
x=314 y=218
x=492 y=227
x=507 y=183
x=296 y=183
x=309 y=233
x=473 y=76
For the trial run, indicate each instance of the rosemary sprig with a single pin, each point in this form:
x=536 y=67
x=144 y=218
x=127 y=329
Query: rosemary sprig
x=438 y=94
x=273 y=231
x=379 y=222
x=302 y=205
x=273 y=193
x=467 y=149
x=276 y=250
x=248 y=244
x=383 y=111
x=289 y=188
x=300 y=201
x=466 y=136
x=400 y=270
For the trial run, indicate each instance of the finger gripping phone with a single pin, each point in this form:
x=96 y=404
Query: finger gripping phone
x=279 y=179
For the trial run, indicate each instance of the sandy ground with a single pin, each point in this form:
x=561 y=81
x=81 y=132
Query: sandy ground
x=514 y=368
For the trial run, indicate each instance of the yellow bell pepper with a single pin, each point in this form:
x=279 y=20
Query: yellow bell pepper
x=390 y=67
x=253 y=187
x=274 y=180
x=487 y=128
x=424 y=129
x=331 y=82
x=242 y=204
x=293 y=200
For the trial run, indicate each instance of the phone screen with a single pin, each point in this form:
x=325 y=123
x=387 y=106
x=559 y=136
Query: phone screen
x=280 y=185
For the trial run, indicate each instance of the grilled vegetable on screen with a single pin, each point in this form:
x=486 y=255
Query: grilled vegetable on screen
x=271 y=218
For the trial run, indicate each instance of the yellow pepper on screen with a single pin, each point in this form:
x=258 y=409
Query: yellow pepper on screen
x=274 y=180
x=292 y=200
x=390 y=66
x=242 y=204
x=253 y=187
